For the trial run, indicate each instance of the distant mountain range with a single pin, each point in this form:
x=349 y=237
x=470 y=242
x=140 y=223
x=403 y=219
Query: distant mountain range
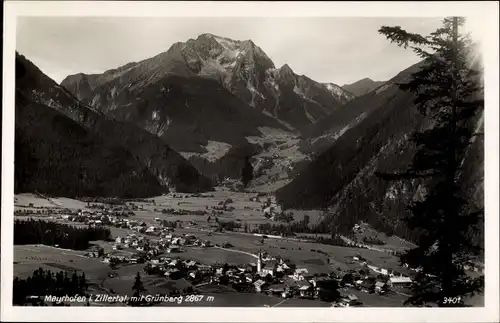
x=236 y=68
x=211 y=96
x=362 y=87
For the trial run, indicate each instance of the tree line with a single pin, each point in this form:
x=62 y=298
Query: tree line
x=53 y=233
x=45 y=282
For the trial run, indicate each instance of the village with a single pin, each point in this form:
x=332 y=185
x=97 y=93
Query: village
x=162 y=246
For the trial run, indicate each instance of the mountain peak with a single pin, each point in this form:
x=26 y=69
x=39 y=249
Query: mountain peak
x=221 y=38
x=362 y=86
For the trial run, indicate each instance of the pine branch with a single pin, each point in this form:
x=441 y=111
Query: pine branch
x=401 y=37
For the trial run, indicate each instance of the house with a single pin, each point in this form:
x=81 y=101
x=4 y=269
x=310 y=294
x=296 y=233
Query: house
x=397 y=282
x=175 y=274
x=260 y=285
x=204 y=268
x=297 y=277
x=365 y=286
x=266 y=271
x=379 y=286
x=190 y=264
x=173 y=263
x=306 y=290
x=349 y=299
x=277 y=288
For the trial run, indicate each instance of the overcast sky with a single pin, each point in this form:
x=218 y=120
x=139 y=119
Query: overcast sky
x=334 y=49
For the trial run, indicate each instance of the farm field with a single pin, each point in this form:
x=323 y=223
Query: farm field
x=300 y=252
x=28 y=258
x=214 y=255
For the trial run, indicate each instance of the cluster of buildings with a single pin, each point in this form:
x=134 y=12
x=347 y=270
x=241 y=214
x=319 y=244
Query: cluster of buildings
x=166 y=241
x=270 y=208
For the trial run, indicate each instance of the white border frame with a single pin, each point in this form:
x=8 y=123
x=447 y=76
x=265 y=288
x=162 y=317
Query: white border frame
x=486 y=12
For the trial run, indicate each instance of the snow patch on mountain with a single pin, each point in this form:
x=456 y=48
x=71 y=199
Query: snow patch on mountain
x=298 y=91
x=113 y=92
x=253 y=92
x=215 y=151
x=335 y=89
x=95 y=100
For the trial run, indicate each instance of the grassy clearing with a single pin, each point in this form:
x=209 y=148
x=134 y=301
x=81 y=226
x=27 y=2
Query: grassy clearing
x=38 y=201
x=214 y=255
x=28 y=258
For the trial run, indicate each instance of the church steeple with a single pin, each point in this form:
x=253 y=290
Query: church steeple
x=259 y=262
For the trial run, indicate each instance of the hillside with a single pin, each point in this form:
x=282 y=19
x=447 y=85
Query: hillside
x=57 y=156
x=164 y=164
x=362 y=86
x=342 y=177
x=322 y=135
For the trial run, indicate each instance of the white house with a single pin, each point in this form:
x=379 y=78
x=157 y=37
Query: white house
x=349 y=299
x=260 y=285
x=399 y=282
x=305 y=290
x=378 y=286
x=266 y=271
x=297 y=277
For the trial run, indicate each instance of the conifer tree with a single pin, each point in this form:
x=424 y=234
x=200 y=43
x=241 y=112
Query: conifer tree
x=447 y=92
x=247 y=172
x=138 y=286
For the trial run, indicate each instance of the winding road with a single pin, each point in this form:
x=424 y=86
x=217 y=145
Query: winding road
x=239 y=251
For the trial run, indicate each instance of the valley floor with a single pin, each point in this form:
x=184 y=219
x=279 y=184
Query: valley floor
x=314 y=257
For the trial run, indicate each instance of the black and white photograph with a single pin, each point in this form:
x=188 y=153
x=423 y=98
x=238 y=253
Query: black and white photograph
x=273 y=161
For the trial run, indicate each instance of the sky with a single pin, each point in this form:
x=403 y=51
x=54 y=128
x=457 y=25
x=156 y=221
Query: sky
x=340 y=50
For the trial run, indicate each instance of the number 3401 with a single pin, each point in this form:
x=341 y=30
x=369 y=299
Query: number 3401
x=452 y=300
